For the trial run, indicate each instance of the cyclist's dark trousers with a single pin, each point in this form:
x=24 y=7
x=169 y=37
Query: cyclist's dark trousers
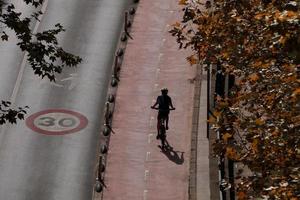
x=164 y=115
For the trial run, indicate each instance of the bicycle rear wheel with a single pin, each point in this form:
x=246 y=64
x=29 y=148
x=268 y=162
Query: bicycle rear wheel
x=162 y=135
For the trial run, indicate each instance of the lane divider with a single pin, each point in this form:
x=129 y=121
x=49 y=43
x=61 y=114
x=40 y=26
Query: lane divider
x=111 y=102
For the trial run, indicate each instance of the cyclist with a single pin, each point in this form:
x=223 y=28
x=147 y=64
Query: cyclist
x=164 y=103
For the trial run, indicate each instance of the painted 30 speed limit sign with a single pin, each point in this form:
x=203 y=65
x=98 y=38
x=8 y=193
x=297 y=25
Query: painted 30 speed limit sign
x=56 y=122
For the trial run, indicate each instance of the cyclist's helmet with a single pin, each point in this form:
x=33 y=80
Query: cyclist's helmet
x=164 y=89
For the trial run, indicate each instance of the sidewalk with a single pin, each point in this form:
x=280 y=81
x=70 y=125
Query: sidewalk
x=136 y=167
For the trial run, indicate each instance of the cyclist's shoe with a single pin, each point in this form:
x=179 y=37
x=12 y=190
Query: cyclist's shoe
x=157 y=136
x=167 y=127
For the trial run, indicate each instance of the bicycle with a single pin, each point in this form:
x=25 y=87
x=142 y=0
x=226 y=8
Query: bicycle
x=162 y=128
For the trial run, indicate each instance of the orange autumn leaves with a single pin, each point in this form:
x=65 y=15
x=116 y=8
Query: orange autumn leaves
x=192 y=59
x=259 y=43
x=183 y=2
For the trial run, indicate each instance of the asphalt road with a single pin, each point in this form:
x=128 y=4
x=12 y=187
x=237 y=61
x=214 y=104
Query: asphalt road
x=35 y=166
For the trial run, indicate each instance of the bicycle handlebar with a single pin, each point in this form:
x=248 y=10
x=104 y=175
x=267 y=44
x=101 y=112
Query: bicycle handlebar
x=162 y=109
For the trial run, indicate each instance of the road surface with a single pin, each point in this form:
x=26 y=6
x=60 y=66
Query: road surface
x=39 y=158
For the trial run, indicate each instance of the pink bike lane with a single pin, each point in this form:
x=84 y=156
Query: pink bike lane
x=136 y=167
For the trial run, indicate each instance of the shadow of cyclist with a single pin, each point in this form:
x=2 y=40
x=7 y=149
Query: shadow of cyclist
x=172 y=154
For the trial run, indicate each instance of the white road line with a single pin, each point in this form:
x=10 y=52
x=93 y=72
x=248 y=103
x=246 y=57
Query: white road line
x=145 y=194
x=151 y=121
x=148 y=156
x=155 y=86
x=150 y=138
x=43 y=9
x=146 y=175
x=22 y=67
x=157 y=73
x=160 y=55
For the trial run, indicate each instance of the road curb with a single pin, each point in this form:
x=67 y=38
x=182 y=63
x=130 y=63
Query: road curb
x=194 y=135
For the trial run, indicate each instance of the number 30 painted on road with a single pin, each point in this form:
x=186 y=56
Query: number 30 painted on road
x=51 y=121
x=56 y=122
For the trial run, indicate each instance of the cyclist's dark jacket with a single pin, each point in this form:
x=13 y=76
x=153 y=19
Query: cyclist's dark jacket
x=164 y=102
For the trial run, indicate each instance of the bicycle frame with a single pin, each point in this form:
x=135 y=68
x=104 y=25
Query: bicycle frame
x=162 y=131
x=162 y=128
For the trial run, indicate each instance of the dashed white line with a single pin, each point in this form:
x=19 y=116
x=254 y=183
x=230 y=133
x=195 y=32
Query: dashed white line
x=157 y=72
x=151 y=121
x=160 y=55
x=145 y=194
x=146 y=175
x=148 y=156
x=150 y=138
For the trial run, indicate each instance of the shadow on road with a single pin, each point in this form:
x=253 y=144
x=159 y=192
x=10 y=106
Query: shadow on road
x=172 y=154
